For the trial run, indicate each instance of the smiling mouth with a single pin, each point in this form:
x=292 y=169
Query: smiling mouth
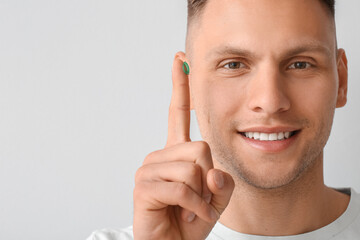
x=278 y=136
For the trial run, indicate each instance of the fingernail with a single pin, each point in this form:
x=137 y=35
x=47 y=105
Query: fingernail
x=219 y=179
x=191 y=217
x=208 y=198
x=186 y=68
x=214 y=214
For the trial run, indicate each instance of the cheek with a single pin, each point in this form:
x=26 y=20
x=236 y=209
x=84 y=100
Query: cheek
x=315 y=102
x=224 y=98
x=317 y=98
x=216 y=103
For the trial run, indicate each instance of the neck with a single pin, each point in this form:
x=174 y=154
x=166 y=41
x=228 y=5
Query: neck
x=302 y=206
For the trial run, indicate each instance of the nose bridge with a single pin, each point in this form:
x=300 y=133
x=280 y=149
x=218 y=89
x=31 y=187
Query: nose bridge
x=267 y=90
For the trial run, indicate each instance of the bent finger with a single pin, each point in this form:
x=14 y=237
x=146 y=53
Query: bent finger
x=158 y=195
x=195 y=152
x=177 y=171
x=221 y=184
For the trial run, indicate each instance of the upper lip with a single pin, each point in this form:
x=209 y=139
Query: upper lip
x=275 y=129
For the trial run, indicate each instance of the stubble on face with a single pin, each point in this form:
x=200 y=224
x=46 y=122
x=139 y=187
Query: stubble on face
x=219 y=131
x=232 y=160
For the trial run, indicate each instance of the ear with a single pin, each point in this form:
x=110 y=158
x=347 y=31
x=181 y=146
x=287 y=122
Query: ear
x=342 y=70
x=182 y=57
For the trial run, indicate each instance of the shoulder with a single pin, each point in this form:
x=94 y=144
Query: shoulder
x=350 y=220
x=124 y=234
x=354 y=206
x=346 y=227
x=112 y=234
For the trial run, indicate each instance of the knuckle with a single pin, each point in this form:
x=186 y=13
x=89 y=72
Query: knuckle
x=139 y=174
x=150 y=158
x=202 y=205
x=203 y=148
x=139 y=191
x=194 y=170
x=182 y=191
x=181 y=107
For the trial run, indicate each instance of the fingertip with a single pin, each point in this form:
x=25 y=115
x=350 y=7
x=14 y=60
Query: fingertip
x=207 y=198
x=180 y=55
x=179 y=59
x=229 y=179
x=181 y=62
x=221 y=184
x=190 y=217
x=214 y=214
x=219 y=180
x=187 y=216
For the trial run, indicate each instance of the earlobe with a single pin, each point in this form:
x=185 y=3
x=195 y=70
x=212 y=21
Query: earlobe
x=186 y=69
x=342 y=70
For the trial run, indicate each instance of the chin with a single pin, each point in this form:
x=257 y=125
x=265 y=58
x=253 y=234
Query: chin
x=266 y=172
x=269 y=178
x=270 y=182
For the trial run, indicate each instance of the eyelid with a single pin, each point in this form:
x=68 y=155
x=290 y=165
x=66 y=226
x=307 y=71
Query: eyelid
x=307 y=59
x=309 y=64
x=243 y=63
x=227 y=72
x=293 y=64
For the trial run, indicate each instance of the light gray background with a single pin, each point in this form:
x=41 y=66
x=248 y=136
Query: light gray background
x=84 y=93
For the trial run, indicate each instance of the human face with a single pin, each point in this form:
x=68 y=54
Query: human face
x=268 y=67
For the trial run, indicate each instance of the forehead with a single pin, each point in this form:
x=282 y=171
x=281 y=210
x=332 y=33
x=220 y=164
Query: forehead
x=263 y=26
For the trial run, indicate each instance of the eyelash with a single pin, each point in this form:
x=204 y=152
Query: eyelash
x=308 y=65
x=241 y=64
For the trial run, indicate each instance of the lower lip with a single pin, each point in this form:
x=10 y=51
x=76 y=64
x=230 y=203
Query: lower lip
x=271 y=146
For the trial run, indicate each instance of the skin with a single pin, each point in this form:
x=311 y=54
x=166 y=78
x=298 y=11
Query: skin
x=178 y=194
x=286 y=73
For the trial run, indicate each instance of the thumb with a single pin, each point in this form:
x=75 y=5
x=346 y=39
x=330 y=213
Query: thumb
x=221 y=184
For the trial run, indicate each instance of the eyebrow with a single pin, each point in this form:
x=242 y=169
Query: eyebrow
x=229 y=50
x=292 y=51
x=310 y=47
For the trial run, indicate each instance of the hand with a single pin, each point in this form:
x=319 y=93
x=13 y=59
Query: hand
x=178 y=194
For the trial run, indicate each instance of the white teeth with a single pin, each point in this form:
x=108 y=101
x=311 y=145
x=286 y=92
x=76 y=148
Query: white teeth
x=280 y=136
x=264 y=137
x=267 y=136
x=273 y=137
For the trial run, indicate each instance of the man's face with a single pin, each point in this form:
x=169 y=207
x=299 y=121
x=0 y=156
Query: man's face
x=264 y=68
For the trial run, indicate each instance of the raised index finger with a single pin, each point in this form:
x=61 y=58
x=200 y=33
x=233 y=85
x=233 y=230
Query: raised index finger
x=179 y=110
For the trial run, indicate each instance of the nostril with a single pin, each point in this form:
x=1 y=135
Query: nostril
x=268 y=99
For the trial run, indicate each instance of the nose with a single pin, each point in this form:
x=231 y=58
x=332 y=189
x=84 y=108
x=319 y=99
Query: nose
x=267 y=92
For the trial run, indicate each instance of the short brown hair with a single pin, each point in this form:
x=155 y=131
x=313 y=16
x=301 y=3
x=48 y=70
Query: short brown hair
x=195 y=7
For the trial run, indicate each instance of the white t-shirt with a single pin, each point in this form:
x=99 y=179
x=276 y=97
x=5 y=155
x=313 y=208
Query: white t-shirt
x=346 y=227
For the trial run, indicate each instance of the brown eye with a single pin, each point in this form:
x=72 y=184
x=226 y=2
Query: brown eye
x=234 y=65
x=300 y=65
